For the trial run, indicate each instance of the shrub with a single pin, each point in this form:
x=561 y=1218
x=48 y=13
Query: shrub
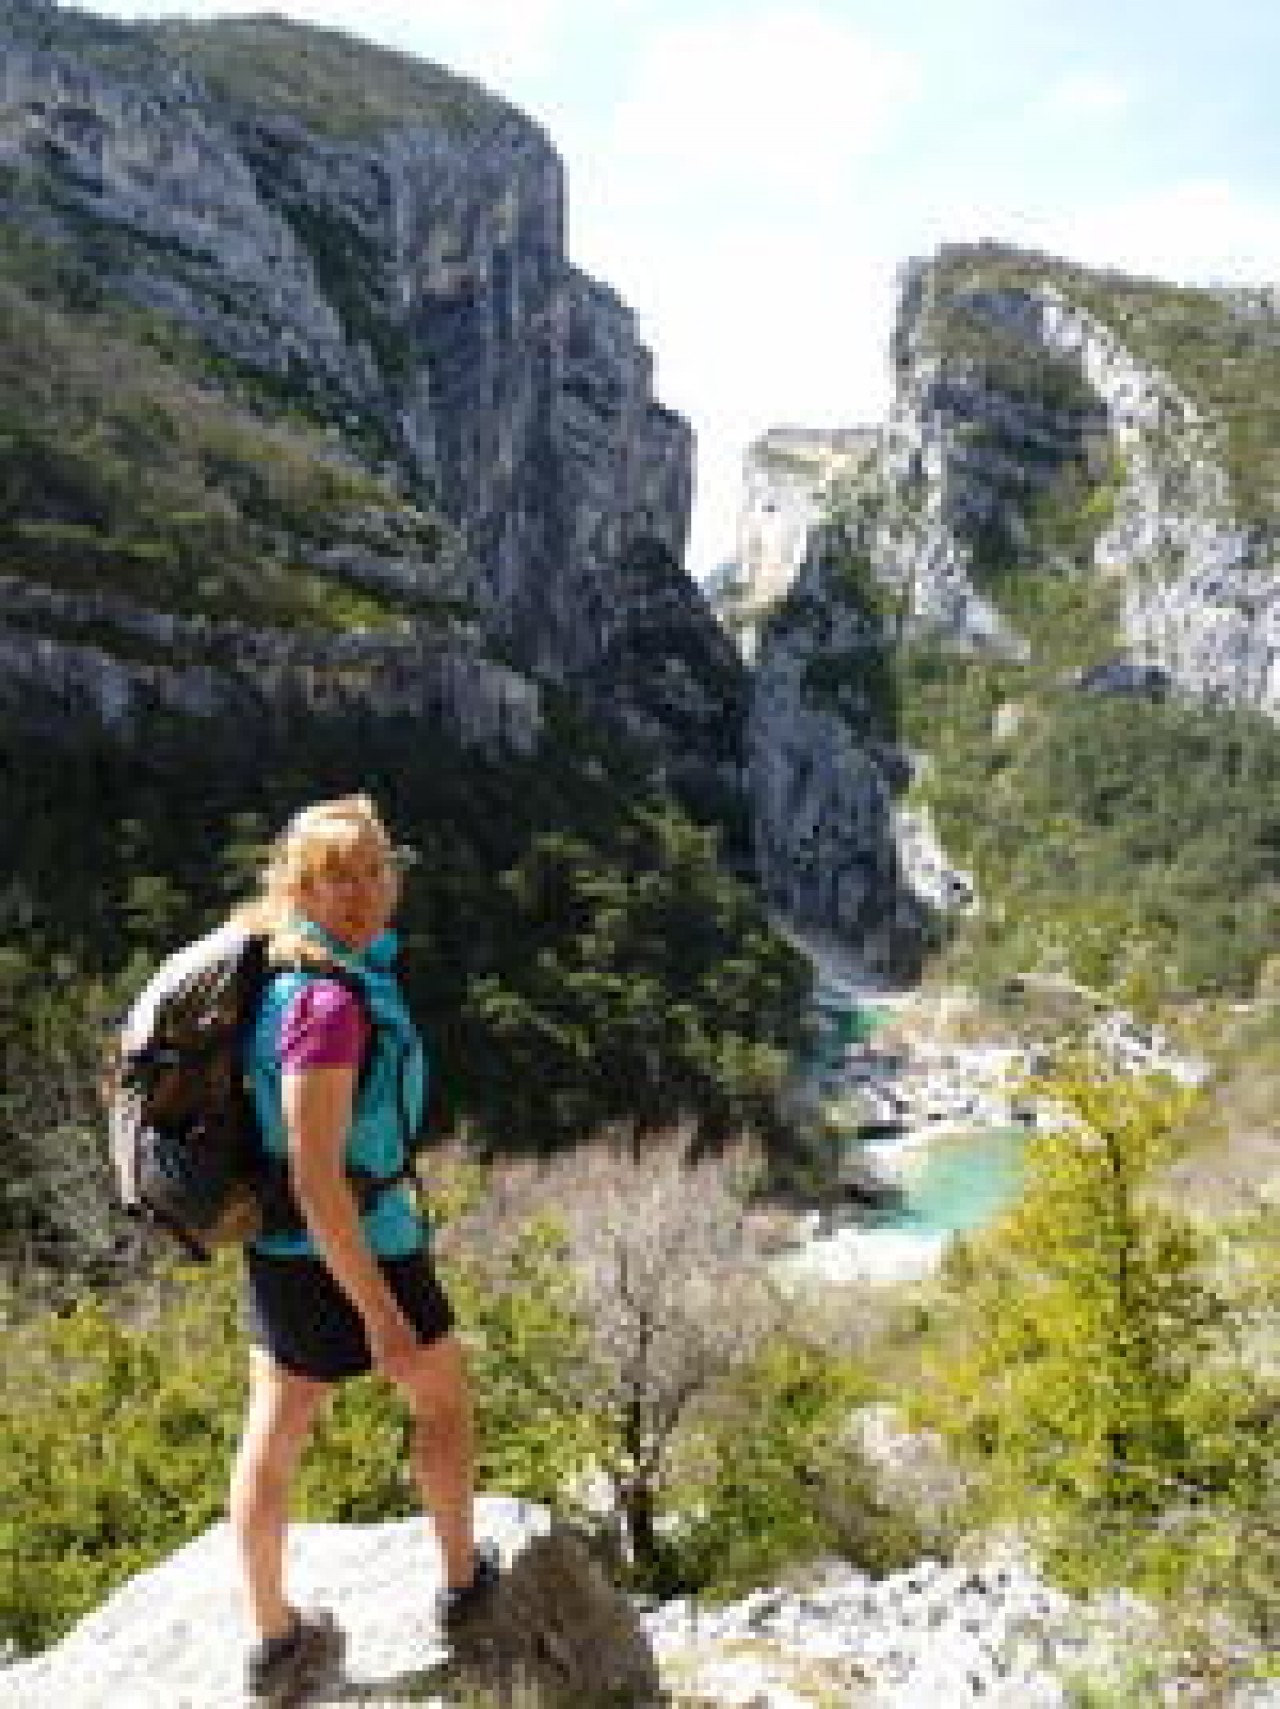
x=118 y=1423
x=773 y=1477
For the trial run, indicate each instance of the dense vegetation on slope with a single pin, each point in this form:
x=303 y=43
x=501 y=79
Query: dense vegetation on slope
x=616 y=974
x=1132 y=844
x=332 y=82
x=130 y=463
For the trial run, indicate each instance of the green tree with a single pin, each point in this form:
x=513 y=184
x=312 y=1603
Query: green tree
x=649 y=990
x=1088 y=1372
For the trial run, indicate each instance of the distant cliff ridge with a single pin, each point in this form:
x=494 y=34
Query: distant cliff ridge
x=371 y=250
x=1079 y=475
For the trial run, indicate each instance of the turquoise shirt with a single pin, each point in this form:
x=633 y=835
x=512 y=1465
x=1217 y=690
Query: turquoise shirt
x=389 y=1103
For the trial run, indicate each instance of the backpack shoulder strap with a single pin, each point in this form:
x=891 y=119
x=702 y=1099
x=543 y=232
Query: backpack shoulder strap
x=280 y=1211
x=411 y=1133
x=255 y=976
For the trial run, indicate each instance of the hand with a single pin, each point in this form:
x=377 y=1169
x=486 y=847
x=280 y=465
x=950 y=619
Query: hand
x=393 y=1346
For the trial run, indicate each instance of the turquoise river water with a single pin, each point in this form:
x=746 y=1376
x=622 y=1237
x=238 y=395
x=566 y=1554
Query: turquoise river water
x=959 y=1182
x=955 y=1182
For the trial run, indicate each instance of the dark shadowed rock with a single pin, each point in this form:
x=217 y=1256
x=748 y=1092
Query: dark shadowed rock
x=1126 y=676
x=560 y=1634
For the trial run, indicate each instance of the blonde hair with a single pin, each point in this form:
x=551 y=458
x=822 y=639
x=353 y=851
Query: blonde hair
x=317 y=839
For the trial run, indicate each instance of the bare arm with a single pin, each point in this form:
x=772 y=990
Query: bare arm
x=317 y=1112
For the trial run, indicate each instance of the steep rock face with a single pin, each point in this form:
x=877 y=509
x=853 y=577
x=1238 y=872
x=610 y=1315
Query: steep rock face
x=834 y=847
x=1031 y=449
x=154 y=181
x=396 y=270
x=681 y=688
x=1200 y=588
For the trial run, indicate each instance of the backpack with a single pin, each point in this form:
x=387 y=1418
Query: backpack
x=185 y=1149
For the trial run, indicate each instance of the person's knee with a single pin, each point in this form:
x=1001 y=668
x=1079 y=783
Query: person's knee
x=438 y=1397
x=262 y=1466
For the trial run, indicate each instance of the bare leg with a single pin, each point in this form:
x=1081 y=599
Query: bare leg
x=442 y=1451
x=282 y=1407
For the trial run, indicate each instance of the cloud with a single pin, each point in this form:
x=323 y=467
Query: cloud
x=721 y=198
x=1088 y=95
x=784 y=99
x=743 y=345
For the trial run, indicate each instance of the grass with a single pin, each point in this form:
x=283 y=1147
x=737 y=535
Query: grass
x=1223 y=356
x=335 y=84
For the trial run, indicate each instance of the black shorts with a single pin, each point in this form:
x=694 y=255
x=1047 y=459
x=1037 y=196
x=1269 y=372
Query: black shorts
x=297 y=1313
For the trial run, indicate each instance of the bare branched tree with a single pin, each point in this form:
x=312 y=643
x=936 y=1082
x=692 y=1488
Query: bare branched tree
x=673 y=1293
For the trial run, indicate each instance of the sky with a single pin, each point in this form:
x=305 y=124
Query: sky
x=750 y=174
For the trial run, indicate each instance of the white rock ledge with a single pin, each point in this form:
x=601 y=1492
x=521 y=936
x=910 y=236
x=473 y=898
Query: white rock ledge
x=175 y=1637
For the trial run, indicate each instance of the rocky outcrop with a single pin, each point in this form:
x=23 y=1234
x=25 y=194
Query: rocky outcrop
x=401 y=276
x=1036 y=386
x=991 y=1631
x=789 y=477
x=559 y=1632
x=671 y=678
x=1201 y=592
x=71 y=659
x=835 y=843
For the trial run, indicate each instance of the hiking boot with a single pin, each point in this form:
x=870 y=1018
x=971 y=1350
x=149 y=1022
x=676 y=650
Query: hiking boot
x=462 y=1610
x=281 y=1670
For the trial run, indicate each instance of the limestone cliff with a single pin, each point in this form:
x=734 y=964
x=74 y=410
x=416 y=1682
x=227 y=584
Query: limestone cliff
x=788 y=476
x=369 y=250
x=1076 y=484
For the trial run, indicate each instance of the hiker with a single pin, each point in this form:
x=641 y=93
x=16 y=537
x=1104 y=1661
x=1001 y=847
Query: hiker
x=337 y=1076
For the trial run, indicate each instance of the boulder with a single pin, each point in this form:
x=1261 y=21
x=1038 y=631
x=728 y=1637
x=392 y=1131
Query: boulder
x=912 y=1471
x=559 y=1634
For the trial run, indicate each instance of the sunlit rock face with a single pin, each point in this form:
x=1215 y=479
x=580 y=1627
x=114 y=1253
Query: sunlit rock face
x=1006 y=379
x=834 y=845
x=788 y=477
x=386 y=250
x=1036 y=435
